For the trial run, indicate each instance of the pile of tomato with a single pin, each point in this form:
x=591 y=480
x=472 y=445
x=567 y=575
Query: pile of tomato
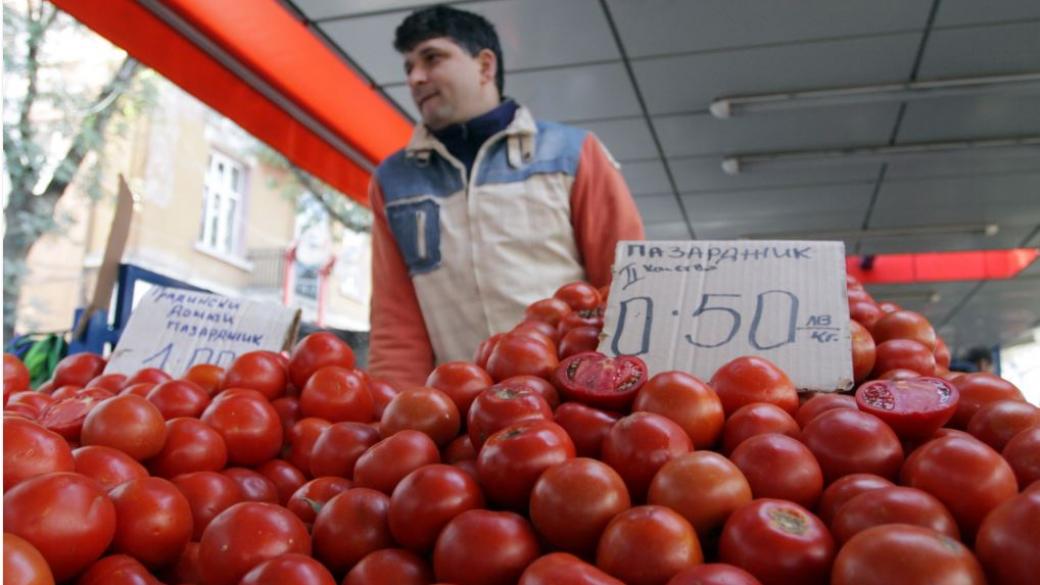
x=541 y=462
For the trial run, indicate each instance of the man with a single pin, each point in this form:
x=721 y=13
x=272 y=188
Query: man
x=485 y=210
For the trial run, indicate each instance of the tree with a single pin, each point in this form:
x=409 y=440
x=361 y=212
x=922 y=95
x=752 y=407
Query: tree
x=41 y=107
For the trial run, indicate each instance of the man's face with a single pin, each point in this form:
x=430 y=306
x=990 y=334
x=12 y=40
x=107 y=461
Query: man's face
x=447 y=83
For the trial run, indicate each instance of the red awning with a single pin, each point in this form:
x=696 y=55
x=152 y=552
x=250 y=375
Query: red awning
x=257 y=65
x=941 y=266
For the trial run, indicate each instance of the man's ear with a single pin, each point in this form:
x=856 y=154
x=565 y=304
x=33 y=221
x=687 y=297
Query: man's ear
x=488 y=65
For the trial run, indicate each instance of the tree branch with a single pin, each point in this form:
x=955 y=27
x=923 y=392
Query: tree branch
x=316 y=192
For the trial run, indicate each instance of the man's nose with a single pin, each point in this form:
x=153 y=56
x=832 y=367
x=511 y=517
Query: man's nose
x=416 y=76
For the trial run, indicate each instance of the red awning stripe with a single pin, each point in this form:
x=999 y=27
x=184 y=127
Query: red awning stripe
x=942 y=266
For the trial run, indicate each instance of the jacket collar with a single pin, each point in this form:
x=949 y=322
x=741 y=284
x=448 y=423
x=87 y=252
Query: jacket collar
x=520 y=132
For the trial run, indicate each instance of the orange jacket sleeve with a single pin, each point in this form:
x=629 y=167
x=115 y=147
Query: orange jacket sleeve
x=602 y=211
x=399 y=346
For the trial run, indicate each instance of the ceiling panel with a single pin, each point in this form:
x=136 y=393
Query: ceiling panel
x=960 y=12
x=675 y=230
x=1001 y=310
x=934 y=300
x=706 y=174
x=658 y=208
x=975 y=118
x=533 y=33
x=683 y=26
x=403 y=96
x=801 y=209
x=625 y=139
x=978 y=163
x=1008 y=237
x=318 y=9
x=990 y=50
x=1008 y=200
x=690 y=82
x=704 y=134
x=646 y=178
x=576 y=93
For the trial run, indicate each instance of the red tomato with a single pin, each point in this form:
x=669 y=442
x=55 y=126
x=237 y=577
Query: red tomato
x=32 y=403
x=498 y=407
x=285 y=477
x=586 y=427
x=338 y=448
x=549 y=311
x=70 y=391
x=904 y=354
x=259 y=370
x=316 y=351
x=892 y=505
x=291 y=568
x=390 y=566
x=573 y=502
x=578 y=340
x=289 y=412
x=1022 y=452
x=539 y=329
x=942 y=354
x=905 y=325
x=517 y=354
x=301 y=442
x=822 y=402
x=757 y=418
x=250 y=427
x=864 y=312
x=140 y=389
x=461 y=449
x=483 y=353
x=580 y=296
x=966 y=475
x=846 y=488
x=596 y=380
x=128 y=423
x=539 y=385
x=179 y=398
x=778 y=542
x=350 y=526
x=564 y=569
x=153 y=520
x=1006 y=544
x=864 y=351
x=714 y=574
x=889 y=307
x=191 y=445
x=254 y=485
x=16 y=376
x=481 y=547
x=461 y=381
x=688 y=402
x=426 y=410
x=913 y=408
x=426 y=499
x=209 y=377
x=998 y=422
x=152 y=375
x=308 y=500
x=978 y=389
x=512 y=459
x=703 y=487
x=66 y=516
x=382 y=393
x=337 y=395
x=585 y=318
x=107 y=466
x=847 y=441
x=900 y=374
x=386 y=463
x=208 y=493
x=245 y=535
x=640 y=444
x=186 y=570
x=111 y=382
x=900 y=553
x=777 y=466
x=78 y=369
x=751 y=379
x=67 y=415
x=23 y=564
x=31 y=450
x=647 y=545
x=117 y=570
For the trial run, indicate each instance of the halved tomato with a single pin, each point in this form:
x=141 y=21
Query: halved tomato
x=597 y=380
x=914 y=408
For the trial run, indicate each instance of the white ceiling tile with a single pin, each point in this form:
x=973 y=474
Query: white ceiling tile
x=626 y=139
x=698 y=135
x=991 y=50
x=971 y=118
x=533 y=34
x=658 y=208
x=1008 y=200
x=403 y=97
x=934 y=300
x=318 y=9
x=668 y=26
x=706 y=174
x=675 y=230
x=974 y=163
x=645 y=178
x=1009 y=237
x=707 y=76
x=960 y=12
x=820 y=208
x=1001 y=311
x=585 y=92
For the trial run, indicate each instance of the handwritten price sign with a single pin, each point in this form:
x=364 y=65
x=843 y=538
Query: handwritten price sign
x=694 y=306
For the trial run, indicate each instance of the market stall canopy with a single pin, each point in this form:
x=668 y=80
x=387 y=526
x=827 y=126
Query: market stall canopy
x=257 y=65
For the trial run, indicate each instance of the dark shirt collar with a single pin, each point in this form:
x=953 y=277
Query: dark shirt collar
x=479 y=129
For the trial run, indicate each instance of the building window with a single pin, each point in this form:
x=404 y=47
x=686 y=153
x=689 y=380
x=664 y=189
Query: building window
x=222 y=199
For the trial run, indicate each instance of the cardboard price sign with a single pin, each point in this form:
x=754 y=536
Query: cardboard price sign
x=695 y=305
x=174 y=329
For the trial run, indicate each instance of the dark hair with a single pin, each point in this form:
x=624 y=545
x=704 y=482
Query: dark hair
x=470 y=31
x=976 y=354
